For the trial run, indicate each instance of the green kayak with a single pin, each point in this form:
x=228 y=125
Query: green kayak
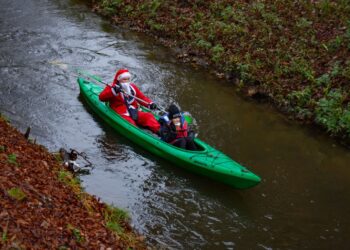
x=207 y=161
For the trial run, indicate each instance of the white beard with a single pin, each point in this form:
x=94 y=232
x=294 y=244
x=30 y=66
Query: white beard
x=126 y=87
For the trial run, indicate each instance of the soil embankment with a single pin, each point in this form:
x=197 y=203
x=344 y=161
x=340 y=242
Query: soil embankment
x=294 y=54
x=43 y=206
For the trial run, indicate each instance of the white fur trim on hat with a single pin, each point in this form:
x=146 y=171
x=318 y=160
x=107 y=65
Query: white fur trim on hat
x=124 y=75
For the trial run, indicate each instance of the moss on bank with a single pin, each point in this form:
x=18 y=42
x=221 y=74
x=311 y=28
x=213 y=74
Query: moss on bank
x=44 y=207
x=294 y=53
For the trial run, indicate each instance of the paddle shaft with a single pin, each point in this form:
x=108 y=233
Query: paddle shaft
x=139 y=99
x=93 y=78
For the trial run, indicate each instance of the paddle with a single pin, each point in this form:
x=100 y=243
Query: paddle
x=94 y=78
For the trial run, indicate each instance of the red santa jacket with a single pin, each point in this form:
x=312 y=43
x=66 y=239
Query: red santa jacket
x=117 y=102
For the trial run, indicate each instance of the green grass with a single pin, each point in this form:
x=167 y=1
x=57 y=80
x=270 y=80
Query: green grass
x=16 y=193
x=68 y=179
x=4 y=118
x=114 y=218
x=4 y=235
x=58 y=157
x=12 y=159
x=76 y=233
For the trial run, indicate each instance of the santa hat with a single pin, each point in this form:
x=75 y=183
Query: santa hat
x=121 y=74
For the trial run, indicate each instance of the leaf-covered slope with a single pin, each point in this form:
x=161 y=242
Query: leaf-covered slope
x=43 y=207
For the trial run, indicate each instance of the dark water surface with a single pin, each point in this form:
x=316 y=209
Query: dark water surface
x=303 y=201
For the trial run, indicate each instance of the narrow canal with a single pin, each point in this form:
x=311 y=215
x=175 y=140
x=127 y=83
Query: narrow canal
x=303 y=201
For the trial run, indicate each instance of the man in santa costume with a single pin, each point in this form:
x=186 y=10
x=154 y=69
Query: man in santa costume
x=120 y=96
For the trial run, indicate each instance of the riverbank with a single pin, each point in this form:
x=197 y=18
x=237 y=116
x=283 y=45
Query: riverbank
x=44 y=207
x=295 y=55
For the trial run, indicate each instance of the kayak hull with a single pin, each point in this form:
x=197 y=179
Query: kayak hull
x=208 y=161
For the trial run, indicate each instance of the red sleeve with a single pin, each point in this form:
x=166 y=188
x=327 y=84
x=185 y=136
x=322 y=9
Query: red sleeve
x=106 y=94
x=142 y=96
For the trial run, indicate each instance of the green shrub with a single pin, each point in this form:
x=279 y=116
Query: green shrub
x=303 y=67
x=258 y=6
x=300 y=101
x=329 y=112
x=243 y=70
x=345 y=120
x=196 y=26
x=336 y=70
x=300 y=98
x=217 y=52
x=323 y=80
x=227 y=13
x=110 y=6
x=203 y=44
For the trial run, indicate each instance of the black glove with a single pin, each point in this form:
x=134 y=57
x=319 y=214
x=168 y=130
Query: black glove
x=117 y=89
x=153 y=106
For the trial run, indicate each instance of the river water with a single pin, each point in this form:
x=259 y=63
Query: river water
x=303 y=201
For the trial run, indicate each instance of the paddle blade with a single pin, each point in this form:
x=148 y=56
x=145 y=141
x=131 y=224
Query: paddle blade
x=62 y=65
x=84 y=73
x=188 y=118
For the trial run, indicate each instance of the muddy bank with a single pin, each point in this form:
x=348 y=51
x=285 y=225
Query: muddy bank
x=43 y=206
x=294 y=55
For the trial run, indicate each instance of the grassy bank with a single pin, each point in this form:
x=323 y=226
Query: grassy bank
x=44 y=207
x=293 y=53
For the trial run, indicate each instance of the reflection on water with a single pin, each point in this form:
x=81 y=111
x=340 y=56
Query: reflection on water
x=302 y=202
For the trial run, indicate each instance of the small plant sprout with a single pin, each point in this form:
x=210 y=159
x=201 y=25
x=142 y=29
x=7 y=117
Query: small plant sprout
x=16 y=193
x=12 y=159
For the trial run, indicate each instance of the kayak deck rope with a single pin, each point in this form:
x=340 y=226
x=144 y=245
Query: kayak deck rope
x=209 y=157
